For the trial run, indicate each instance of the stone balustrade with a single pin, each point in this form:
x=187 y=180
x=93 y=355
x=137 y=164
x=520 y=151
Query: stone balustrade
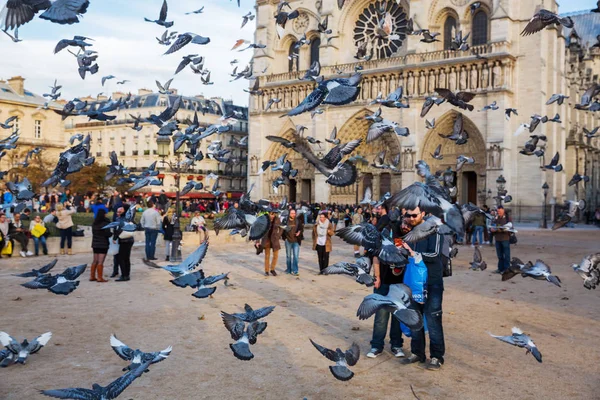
x=419 y=74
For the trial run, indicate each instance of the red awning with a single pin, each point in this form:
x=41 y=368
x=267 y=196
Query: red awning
x=173 y=195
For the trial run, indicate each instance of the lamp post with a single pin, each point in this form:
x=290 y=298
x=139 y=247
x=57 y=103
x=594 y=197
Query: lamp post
x=164 y=145
x=500 y=182
x=545 y=188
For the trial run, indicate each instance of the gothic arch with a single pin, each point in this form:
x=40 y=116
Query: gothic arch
x=285 y=42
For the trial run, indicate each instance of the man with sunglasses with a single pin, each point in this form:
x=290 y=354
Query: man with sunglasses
x=430 y=249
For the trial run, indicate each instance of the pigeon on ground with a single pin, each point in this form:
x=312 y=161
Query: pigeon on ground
x=341 y=359
x=20 y=351
x=162 y=18
x=397 y=301
x=544 y=18
x=110 y=392
x=38 y=272
x=360 y=269
x=519 y=339
x=63 y=283
x=478 y=264
x=589 y=270
x=137 y=357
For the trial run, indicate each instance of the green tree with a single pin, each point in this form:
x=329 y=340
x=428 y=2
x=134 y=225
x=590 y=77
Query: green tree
x=89 y=179
x=38 y=170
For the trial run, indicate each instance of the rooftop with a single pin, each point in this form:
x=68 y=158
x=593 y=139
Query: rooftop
x=14 y=90
x=587 y=26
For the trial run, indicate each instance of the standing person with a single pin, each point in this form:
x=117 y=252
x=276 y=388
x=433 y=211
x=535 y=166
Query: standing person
x=322 y=233
x=168 y=229
x=125 y=240
x=335 y=218
x=293 y=239
x=198 y=223
x=99 y=205
x=163 y=200
x=502 y=240
x=65 y=226
x=152 y=223
x=271 y=242
x=38 y=234
x=357 y=219
x=347 y=218
x=478 y=228
x=16 y=231
x=430 y=250
x=117 y=217
x=100 y=245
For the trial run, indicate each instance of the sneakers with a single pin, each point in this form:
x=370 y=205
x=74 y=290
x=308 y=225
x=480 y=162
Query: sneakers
x=29 y=254
x=412 y=359
x=273 y=273
x=434 y=364
x=356 y=254
x=295 y=274
x=497 y=271
x=22 y=253
x=266 y=273
x=374 y=353
x=397 y=352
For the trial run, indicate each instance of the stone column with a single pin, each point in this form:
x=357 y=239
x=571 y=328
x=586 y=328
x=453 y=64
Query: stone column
x=322 y=188
x=376 y=184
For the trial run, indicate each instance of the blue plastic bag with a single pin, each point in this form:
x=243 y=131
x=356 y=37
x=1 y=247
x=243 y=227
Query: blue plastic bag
x=415 y=278
x=406 y=330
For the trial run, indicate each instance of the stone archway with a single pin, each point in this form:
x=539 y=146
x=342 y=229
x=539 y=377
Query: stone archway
x=470 y=174
x=357 y=129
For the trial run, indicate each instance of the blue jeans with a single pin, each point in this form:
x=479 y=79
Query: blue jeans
x=381 y=323
x=36 y=243
x=66 y=235
x=432 y=311
x=292 y=251
x=151 y=236
x=476 y=230
x=503 y=253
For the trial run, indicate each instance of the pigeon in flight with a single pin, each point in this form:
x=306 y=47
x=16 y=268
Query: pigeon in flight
x=244 y=333
x=187 y=265
x=458 y=135
x=77 y=41
x=164 y=89
x=437 y=154
x=478 y=264
x=460 y=99
x=519 y=339
x=34 y=273
x=462 y=160
x=557 y=98
x=342 y=360
x=360 y=269
x=19 y=12
x=162 y=19
x=429 y=102
x=6 y=124
x=246 y=18
x=199 y=11
x=110 y=392
x=474 y=7
x=544 y=18
x=397 y=301
x=377 y=243
x=137 y=357
x=578 y=178
x=589 y=270
x=592 y=133
x=63 y=283
x=185 y=62
x=19 y=352
x=554 y=165
x=492 y=107
x=430 y=37
x=509 y=111
x=184 y=39
x=22 y=191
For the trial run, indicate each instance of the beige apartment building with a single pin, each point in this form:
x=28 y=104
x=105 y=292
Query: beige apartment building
x=515 y=71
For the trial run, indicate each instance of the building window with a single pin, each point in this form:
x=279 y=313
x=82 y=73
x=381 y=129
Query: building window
x=314 y=50
x=293 y=58
x=480 y=28
x=449 y=29
x=16 y=125
x=37 y=129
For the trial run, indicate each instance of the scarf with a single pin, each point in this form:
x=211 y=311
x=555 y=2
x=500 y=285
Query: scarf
x=322 y=228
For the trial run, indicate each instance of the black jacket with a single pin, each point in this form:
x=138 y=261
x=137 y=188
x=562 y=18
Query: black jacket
x=431 y=250
x=168 y=228
x=100 y=236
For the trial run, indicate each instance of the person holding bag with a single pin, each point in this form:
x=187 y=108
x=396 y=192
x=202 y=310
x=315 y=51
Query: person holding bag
x=100 y=245
x=125 y=240
x=321 y=235
x=38 y=232
x=65 y=226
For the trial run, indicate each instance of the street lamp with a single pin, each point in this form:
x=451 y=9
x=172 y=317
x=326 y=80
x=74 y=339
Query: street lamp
x=500 y=182
x=545 y=188
x=164 y=145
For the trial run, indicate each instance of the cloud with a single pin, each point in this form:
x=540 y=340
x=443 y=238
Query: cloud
x=128 y=49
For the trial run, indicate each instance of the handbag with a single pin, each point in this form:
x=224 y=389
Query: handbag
x=38 y=230
x=7 y=250
x=113 y=249
x=415 y=277
x=447 y=266
x=512 y=239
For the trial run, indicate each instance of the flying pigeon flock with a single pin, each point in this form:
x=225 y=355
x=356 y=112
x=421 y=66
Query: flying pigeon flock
x=434 y=194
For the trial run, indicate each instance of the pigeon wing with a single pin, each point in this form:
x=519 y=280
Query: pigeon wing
x=121 y=348
x=10 y=343
x=371 y=304
x=534 y=25
x=254 y=329
x=331 y=355
x=506 y=339
x=339 y=268
x=312 y=101
x=214 y=279
x=465 y=96
x=234 y=325
x=163 y=11
x=73 y=273
x=260 y=227
x=120 y=384
x=477 y=255
x=352 y=234
x=352 y=354
x=195 y=258
x=65 y=11
x=72 y=393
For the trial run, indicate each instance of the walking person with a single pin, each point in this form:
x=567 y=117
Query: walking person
x=478 y=228
x=271 y=242
x=347 y=218
x=502 y=240
x=119 y=215
x=168 y=229
x=321 y=235
x=125 y=240
x=65 y=226
x=357 y=219
x=293 y=239
x=38 y=230
x=151 y=222
x=430 y=250
x=100 y=245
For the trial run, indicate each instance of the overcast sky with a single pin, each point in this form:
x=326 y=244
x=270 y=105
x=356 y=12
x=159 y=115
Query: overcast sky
x=128 y=48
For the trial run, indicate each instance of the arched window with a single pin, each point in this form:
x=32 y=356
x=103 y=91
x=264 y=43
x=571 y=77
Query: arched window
x=449 y=29
x=293 y=58
x=480 y=28
x=314 y=50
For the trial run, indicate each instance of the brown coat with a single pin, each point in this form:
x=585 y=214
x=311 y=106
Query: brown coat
x=330 y=233
x=273 y=236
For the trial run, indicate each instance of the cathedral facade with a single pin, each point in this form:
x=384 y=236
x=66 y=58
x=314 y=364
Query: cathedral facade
x=502 y=66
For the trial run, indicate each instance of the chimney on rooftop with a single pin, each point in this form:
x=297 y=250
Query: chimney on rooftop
x=17 y=83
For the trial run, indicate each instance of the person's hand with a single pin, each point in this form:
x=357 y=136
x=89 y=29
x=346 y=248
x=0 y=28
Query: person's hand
x=492 y=229
x=298 y=233
x=407 y=247
x=377 y=282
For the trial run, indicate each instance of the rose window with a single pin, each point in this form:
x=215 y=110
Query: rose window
x=368 y=28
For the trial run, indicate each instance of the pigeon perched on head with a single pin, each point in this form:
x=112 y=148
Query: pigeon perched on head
x=341 y=359
x=137 y=357
x=20 y=351
x=110 y=392
x=360 y=269
x=519 y=339
x=478 y=264
x=38 y=272
x=63 y=283
x=544 y=18
x=397 y=301
x=589 y=270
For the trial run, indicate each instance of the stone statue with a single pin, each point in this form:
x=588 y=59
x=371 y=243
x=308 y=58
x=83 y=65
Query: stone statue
x=452 y=80
x=442 y=81
x=253 y=165
x=408 y=159
x=485 y=77
x=463 y=78
x=319 y=6
x=496 y=156
x=497 y=75
x=422 y=82
x=432 y=86
x=411 y=84
x=473 y=77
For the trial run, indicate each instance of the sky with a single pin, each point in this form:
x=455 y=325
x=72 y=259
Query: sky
x=128 y=49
